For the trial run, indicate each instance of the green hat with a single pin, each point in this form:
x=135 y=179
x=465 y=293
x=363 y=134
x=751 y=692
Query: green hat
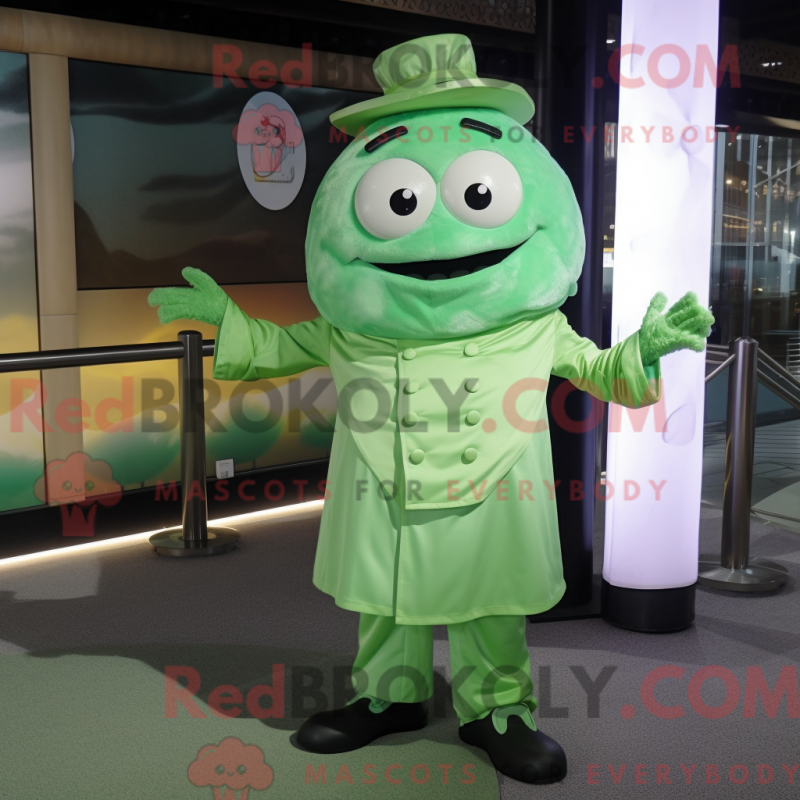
x=433 y=72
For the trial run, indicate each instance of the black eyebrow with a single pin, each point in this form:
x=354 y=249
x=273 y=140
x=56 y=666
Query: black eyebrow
x=477 y=125
x=392 y=133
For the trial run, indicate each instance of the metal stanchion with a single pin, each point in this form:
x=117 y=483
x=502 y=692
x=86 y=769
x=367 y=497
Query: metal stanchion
x=734 y=570
x=194 y=538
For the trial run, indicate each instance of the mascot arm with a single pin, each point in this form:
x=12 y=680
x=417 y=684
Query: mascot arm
x=615 y=375
x=248 y=349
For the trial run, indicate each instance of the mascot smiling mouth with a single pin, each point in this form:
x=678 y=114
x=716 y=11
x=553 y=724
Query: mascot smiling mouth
x=441 y=269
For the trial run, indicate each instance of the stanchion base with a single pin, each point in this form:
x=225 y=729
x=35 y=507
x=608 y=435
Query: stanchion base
x=648 y=610
x=170 y=542
x=760 y=575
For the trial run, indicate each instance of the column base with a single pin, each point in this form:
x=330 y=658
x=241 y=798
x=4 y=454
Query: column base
x=760 y=575
x=648 y=610
x=170 y=542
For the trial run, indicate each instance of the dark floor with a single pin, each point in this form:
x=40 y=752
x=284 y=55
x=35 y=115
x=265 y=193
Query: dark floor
x=100 y=609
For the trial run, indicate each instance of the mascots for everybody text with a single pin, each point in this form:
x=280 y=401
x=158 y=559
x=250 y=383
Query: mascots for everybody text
x=440 y=246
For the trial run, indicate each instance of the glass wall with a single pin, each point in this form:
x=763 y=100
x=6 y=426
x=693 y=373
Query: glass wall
x=754 y=292
x=754 y=288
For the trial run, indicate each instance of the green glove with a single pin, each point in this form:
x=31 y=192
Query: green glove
x=206 y=302
x=685 y=325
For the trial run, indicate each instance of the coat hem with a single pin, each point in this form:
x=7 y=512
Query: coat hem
x=447 y=619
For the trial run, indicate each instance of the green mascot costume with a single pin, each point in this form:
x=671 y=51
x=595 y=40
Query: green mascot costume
x=440 y=246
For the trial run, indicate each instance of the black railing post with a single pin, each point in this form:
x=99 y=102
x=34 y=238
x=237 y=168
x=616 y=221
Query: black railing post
x=194 y=538
x=733 y=569
x=193 y=440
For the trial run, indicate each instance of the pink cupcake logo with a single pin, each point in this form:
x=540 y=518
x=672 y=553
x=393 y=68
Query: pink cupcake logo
x=272 y=136
x=271 y=150
x=231 y=768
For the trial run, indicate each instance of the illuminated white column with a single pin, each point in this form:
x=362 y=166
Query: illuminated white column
x=663 y=231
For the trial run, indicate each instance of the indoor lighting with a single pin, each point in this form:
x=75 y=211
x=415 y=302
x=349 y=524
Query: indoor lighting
x=134 y=538
x=651 y=543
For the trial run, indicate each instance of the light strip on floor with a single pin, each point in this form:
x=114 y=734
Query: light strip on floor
x=295 y=509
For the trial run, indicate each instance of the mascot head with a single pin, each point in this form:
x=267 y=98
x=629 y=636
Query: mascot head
x=444 y=217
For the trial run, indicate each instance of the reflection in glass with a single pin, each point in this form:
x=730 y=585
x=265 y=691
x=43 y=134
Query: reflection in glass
x=754 y=287
x=754 y=292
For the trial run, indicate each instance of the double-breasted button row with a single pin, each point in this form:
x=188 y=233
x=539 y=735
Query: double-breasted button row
x=472 y=418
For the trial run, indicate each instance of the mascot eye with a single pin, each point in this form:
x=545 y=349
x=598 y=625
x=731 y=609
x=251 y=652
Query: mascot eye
x=403 y=202
x=394 y=198
x=89 y=485
x=483 y=189
x=66 y=486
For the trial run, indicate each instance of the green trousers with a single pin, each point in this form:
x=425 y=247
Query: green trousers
x=489 y=661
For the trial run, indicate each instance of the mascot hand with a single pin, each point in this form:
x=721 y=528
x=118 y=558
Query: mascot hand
x=206 y=302
x=685 y=325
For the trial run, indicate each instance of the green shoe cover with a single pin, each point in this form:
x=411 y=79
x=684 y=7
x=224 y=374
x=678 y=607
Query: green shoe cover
x=500 y=717
x=376 y=705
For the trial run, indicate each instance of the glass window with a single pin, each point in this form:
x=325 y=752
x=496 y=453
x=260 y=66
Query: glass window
x=754 y=292
x=754 y=288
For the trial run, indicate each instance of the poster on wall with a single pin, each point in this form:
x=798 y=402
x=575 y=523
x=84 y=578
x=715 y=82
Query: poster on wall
x=271 y=150
x=171 y=171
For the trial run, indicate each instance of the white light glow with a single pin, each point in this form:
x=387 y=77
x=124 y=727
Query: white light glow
x=296 y=509
x=662 y=243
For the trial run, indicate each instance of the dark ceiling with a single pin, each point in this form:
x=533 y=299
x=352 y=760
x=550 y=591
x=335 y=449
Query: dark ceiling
x=778 y=20
x=330 y=25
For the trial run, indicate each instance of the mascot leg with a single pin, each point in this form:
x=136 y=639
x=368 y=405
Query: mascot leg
x=393 y=675
x=492 y=689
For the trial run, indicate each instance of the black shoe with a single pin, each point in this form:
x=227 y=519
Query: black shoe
x=520 y=753
x=354 y=726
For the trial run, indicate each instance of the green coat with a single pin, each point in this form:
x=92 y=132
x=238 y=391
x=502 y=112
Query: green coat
x=441 y=505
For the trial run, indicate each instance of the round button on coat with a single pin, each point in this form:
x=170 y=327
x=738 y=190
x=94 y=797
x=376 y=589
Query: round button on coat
x=471 y=349
x=411 y=419
x=412 y=387
x=470 y=454
x=409 y=353
x=472 y=385
x=473 y=418
x=417 y=456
